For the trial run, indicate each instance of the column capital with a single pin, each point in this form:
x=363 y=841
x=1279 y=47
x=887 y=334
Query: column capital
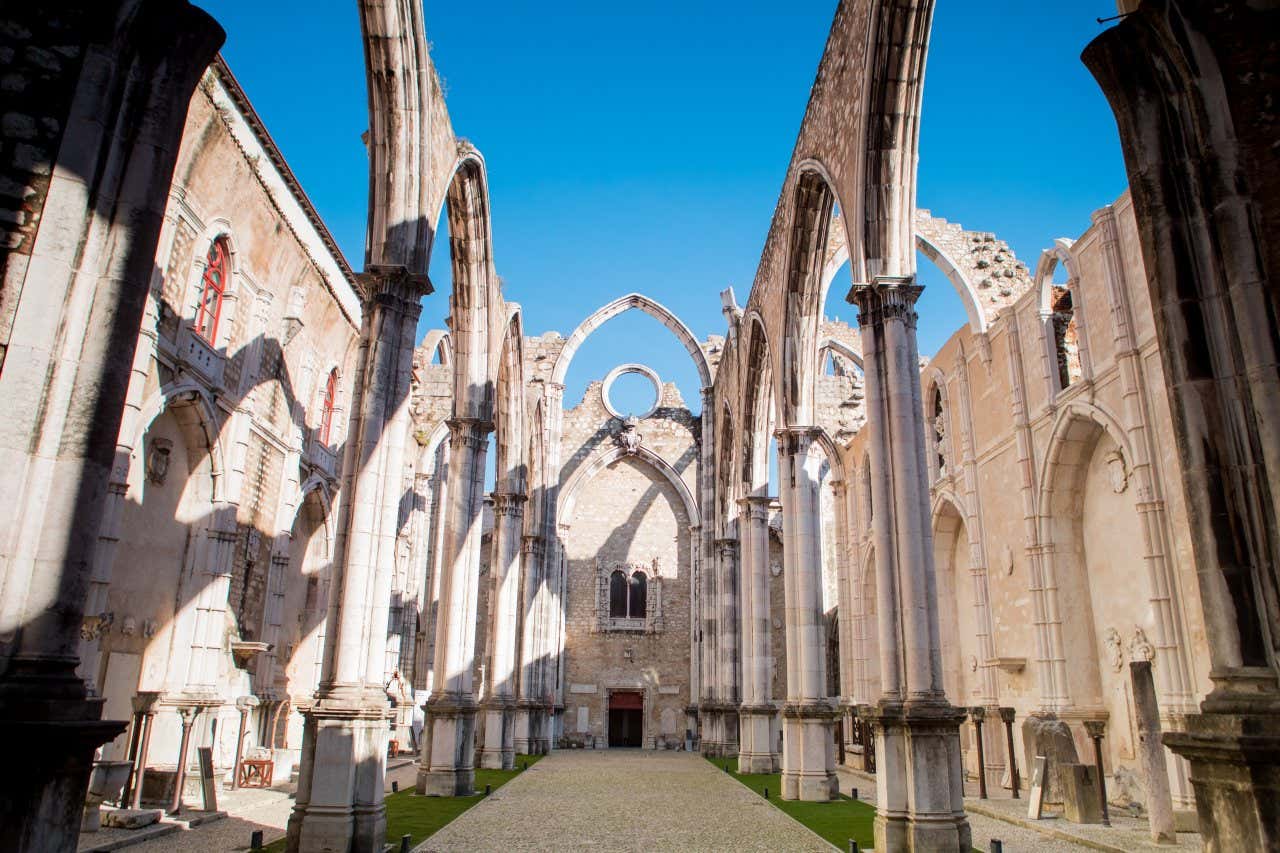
x=392 y=281
x=533 y=545
x=727 y=546
x=886 y=297
x=509 y=504
x=756 y=507
x=470 y=432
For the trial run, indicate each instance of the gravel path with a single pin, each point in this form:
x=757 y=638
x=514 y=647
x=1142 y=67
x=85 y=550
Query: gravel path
x=613 y=800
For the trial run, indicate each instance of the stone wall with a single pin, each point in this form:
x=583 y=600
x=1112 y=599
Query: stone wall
x=628 y=516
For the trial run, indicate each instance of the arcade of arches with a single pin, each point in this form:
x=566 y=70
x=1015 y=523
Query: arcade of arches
x=247 y=513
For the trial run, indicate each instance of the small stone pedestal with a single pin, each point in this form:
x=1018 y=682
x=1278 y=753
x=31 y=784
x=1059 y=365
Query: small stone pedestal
x=1080 y=798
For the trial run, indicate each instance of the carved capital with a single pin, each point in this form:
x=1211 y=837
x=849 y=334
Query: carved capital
x=509 y=504
x=755 y=508
x=886 y=298
x=469 y=433
x=534 y=546
x=390 y=283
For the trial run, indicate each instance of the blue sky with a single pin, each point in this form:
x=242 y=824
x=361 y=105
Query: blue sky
x=642 y=147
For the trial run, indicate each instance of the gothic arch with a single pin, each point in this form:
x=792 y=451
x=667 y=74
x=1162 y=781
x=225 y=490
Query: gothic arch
x=606 y=456
x=197 y=416
x=759 y=397
x=812 y=203
x=438 y=341
x=511 y=472
x=639 y=302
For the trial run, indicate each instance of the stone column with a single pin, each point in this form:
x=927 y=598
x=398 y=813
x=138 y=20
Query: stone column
x=83 y=275
x=920 y=796
x=504 y=606
x=532 y=647
x=447 y=767
x=756 y=750
x=729 y=651
x=339 y=800
x=1187 y=82
x=808 y=755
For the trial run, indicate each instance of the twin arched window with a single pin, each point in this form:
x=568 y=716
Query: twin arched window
x=213 y=287
x=326 y=408
x=628 y=599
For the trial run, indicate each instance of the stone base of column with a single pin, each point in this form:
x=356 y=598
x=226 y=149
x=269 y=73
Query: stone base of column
x=525 y=730
x=808 y=752
x=731 y=739
x=711 y=740
x=49 y=747
x=344 y=758
x=498 y=752
x=919 y=777
x=755 y=746
x=1233 y=748
x=448 y=768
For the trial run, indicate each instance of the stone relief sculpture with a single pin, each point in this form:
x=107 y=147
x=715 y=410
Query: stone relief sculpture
x=1140 y=648
x=1117 y=471
x=157 y=460
x=1114 y=645
x=629 y=438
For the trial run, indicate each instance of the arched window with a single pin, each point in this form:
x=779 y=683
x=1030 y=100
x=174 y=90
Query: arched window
x=1066 y=338
x=618 y=595
x=326 y=410
x=939 y=430
x=638 y=597
x=213 y=286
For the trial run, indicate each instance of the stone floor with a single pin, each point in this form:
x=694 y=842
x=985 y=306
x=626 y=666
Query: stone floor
x=614 y=800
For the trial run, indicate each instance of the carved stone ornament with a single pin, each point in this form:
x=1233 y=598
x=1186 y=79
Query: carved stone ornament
x=1008 y=560
x=94 y=627
x=1140 y=648
x=775 y=569
x=1114 y=645
x=129 y=626
x=629 y=438
x=1117 y=471
x=973 y=663
x=157 y=460
x=149 y=628
x=777 y=622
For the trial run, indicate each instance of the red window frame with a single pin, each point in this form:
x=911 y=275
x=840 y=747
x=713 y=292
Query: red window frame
x=213 y=286
x=326 y=408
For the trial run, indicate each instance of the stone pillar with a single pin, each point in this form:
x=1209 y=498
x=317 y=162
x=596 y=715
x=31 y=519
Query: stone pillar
x=808 y=755
x=919 y=781
x=730 y=642
x=339 y=800
x=83 y=276
x=1151 y=753
x=529 y=711
x=757 y=749
x=447 y=767
x=1188 y=82
x=504 y=605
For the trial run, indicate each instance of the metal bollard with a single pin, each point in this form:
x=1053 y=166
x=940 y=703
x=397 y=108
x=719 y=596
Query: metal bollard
x=766 y=793
x=854 y=794
x=395 y=786
x=255 y=840
x=406 y=841
x=997 y=846
x=853 y=846
x=488 y=789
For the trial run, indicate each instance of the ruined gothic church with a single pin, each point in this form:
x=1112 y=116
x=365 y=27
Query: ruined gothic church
x=247 y=508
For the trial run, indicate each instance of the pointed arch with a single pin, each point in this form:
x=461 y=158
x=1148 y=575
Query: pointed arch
x=812 y=205
x=606 y=456
x=638 y=302
x=511 y=470
x=197 y=417
x=759 y=397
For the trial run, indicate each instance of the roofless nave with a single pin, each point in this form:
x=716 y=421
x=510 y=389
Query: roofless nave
x=249 y=514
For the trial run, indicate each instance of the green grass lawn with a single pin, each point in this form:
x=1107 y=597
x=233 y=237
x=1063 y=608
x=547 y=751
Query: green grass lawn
x=422 y=817
x=836 y=821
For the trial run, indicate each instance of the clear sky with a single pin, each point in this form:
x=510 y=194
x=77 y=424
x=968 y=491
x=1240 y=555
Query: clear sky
x=641 y=147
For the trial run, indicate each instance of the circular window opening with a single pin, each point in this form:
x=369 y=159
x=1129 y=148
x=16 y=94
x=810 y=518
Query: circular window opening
x=631 y=389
